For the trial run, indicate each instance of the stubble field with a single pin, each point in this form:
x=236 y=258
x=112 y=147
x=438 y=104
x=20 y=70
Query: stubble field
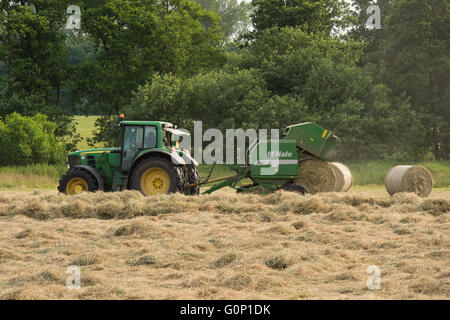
x=225 y=246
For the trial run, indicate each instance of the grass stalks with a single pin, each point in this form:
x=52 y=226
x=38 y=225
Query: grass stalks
x=223 y=246
x=40 y=176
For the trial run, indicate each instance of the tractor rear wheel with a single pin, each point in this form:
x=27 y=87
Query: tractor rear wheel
x=295 y=187
x=77 y=181
x=157 y=176
x=192 y=178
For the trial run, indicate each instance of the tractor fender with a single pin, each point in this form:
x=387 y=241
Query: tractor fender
x=188 y=159
x=179 y=161
x=97 y=176
x=176 y=159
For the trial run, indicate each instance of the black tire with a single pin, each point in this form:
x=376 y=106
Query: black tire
x=192 y=178
x=175 y=174
x=295 y=187
x=181 y=179
x=78 y=173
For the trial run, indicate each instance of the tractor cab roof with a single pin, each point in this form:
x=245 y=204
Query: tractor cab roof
x=148 y=123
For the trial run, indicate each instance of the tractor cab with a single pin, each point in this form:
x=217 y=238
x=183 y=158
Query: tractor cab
x=142 y=136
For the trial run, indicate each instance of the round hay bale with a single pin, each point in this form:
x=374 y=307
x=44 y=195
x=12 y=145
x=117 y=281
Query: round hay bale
x=413 y=179
x=344 y=177
x=317 y=175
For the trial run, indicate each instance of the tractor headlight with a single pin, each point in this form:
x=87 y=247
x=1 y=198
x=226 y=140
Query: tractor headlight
x=74 y=161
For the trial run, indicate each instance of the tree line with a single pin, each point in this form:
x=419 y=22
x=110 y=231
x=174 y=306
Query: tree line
x=264 y=64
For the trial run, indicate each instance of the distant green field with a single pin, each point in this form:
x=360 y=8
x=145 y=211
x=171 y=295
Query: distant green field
x=85 y=127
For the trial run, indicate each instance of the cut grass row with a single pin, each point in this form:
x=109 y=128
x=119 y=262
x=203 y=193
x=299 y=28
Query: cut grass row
x=280 y=246
x=365 y=174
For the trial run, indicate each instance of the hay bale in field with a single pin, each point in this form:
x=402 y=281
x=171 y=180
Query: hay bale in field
x=415 y=179
x=344 y=177
x=317 y=175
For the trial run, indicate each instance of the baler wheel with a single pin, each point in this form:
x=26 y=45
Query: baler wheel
x=295 y=187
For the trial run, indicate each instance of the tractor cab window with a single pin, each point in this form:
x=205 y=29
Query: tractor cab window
x=132 y=144
x=167 y=139
x=150 y=138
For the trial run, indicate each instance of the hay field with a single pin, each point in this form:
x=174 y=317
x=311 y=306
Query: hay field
x=224 y=246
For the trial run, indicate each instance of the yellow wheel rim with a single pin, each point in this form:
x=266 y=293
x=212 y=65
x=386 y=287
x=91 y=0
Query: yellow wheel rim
x=76 y=186
x=155 y=181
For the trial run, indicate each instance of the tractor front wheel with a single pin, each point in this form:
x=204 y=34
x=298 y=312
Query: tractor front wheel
x=77 y=181
x=157 y=176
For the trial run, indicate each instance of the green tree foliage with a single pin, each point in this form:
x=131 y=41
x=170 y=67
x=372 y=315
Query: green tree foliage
x=222 y=99
x=135 y=39
x=288 y=76
x=410 y=55
x=32 y=48
x=234 y=15
x=323 y=73
x=29 y=140
x=34 y=60
x=416 y=62
x=385 y=92
x=312 y=16
x=80 y=49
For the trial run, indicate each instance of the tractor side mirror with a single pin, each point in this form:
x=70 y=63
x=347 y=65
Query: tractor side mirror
x=115 y=125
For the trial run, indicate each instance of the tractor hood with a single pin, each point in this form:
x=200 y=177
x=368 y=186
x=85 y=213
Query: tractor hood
x=93 y=151
x=91 y=156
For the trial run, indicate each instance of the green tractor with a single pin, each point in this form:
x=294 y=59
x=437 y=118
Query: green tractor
x=149 y=161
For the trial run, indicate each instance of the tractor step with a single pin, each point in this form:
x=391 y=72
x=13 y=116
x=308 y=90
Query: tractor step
x=120 y=181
